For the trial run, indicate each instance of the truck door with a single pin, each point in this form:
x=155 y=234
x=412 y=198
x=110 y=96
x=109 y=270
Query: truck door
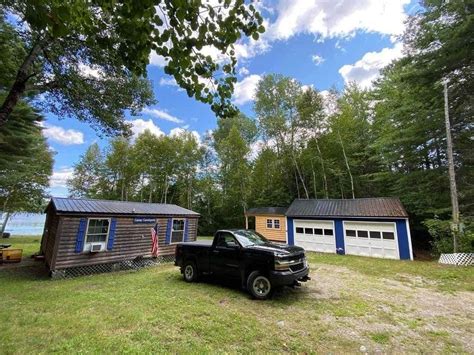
x=225 y=256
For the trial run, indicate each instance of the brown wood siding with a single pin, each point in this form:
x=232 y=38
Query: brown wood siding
x=131 y=240
x=278 y=235
x=49 y=238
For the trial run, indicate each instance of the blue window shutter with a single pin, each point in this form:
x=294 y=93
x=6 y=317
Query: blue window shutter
x=81 y=233
x=168 y=231
x=110 y=241
x=186 y=230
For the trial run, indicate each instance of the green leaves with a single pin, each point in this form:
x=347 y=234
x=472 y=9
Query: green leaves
x=116 y=39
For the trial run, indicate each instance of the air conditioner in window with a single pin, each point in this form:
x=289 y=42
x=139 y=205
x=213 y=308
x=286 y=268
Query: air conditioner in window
x=95 y=248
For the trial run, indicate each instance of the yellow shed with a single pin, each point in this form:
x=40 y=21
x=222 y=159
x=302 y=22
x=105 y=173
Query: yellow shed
x=269 y=221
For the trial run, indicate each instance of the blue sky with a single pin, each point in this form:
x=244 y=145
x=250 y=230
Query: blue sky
x=320 y=43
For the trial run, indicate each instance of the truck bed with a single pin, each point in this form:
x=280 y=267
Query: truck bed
x=199 y=243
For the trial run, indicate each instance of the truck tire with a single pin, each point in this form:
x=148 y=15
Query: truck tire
x=259 y=285
x=190 y=272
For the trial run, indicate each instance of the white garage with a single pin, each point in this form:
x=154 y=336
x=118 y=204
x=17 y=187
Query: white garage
x=377 y=239
x=374 y=227
x=316 y=235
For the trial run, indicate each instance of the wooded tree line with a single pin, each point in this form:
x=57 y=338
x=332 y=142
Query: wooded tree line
x=386 y=141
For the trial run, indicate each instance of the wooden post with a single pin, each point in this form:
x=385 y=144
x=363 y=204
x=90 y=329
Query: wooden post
x=452 y=176
x=246 y=222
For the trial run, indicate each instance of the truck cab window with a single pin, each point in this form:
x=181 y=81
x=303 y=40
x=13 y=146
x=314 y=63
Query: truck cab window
x=226 y=240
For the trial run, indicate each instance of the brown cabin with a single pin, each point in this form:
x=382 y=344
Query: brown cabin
x=83 y=232
x=269 y=221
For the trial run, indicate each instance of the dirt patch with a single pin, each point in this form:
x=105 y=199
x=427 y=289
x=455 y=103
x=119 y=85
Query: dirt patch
x=402 y=313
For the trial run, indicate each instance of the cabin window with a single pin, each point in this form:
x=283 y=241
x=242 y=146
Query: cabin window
x=97 y=232
x=269 y=223
x=276 y=223
x=177 y=232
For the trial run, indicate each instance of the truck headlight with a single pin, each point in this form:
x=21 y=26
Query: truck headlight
x=282 y=265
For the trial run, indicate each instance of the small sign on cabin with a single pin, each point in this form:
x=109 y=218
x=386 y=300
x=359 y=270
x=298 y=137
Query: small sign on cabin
x=144 y=220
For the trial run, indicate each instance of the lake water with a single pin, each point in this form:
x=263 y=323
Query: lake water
x=26 y=224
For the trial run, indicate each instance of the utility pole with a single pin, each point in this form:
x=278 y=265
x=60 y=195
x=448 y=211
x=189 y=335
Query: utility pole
x=452 y=175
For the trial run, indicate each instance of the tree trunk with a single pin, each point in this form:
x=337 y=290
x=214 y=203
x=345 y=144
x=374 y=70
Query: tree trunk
x=151 y=193
x=297 y=185
x=122 y=190
x=347 y=165
x=325 y=180
x=4 y=223
x=314 y=180
x=18 y=87
x=299 y=174
x=166 y=188
x=452 y=174
x=341 y=187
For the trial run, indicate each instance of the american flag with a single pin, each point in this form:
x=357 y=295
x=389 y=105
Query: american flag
x=154 y=241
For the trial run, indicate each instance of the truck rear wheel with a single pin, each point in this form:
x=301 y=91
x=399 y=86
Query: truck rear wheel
x=259 y=285
x=190 y=272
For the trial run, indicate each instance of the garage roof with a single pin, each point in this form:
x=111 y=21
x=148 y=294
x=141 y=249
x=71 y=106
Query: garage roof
x=359 y=207
x=266 y=211
x=78 y=205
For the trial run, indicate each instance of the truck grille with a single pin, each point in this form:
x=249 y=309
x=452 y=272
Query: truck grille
x=297 y=267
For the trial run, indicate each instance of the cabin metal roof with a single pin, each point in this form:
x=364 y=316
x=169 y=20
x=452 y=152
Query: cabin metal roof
x=266 y=211
x=359 y=207
x=79 y=205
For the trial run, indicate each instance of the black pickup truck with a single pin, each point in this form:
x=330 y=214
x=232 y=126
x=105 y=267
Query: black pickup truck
x=246 y=255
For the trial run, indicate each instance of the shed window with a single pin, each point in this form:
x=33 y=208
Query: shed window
x=308 y=231
x=328 y=232
x=276 y=223
x=97 y=232
x=177 y=232
x=299 y=230
x=318 y=231
x=269 y=223
x=362 y=234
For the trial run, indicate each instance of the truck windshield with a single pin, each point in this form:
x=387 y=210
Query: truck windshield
x=247 y=238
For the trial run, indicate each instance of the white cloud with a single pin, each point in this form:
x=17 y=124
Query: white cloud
x=307 y=87
x=244 y=90
x=60 y=177
x=157 y=60
x=257 y=147
x=138 y=126
x=161 y=114
x=337 y=18
x=243 y=71
x=367 y=69
x=63 y=136
x=317 y=59
x=169 y=81
x=250 y=48
x=90 y=71
x=175 y=132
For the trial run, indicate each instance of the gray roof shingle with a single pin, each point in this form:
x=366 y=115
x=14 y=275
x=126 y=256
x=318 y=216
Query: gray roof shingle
x=78 y=205
x=266 y=211
x=359 y=207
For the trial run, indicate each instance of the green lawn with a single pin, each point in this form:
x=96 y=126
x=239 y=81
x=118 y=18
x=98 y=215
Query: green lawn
x=351 y=302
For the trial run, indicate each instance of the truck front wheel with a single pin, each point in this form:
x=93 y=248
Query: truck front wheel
x=190 y=272
x=259 y=285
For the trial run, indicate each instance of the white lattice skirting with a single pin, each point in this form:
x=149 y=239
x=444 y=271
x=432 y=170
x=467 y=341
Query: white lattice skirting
x=457 y=259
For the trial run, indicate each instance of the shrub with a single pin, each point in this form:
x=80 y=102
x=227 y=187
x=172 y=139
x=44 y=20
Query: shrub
x=442 y=238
